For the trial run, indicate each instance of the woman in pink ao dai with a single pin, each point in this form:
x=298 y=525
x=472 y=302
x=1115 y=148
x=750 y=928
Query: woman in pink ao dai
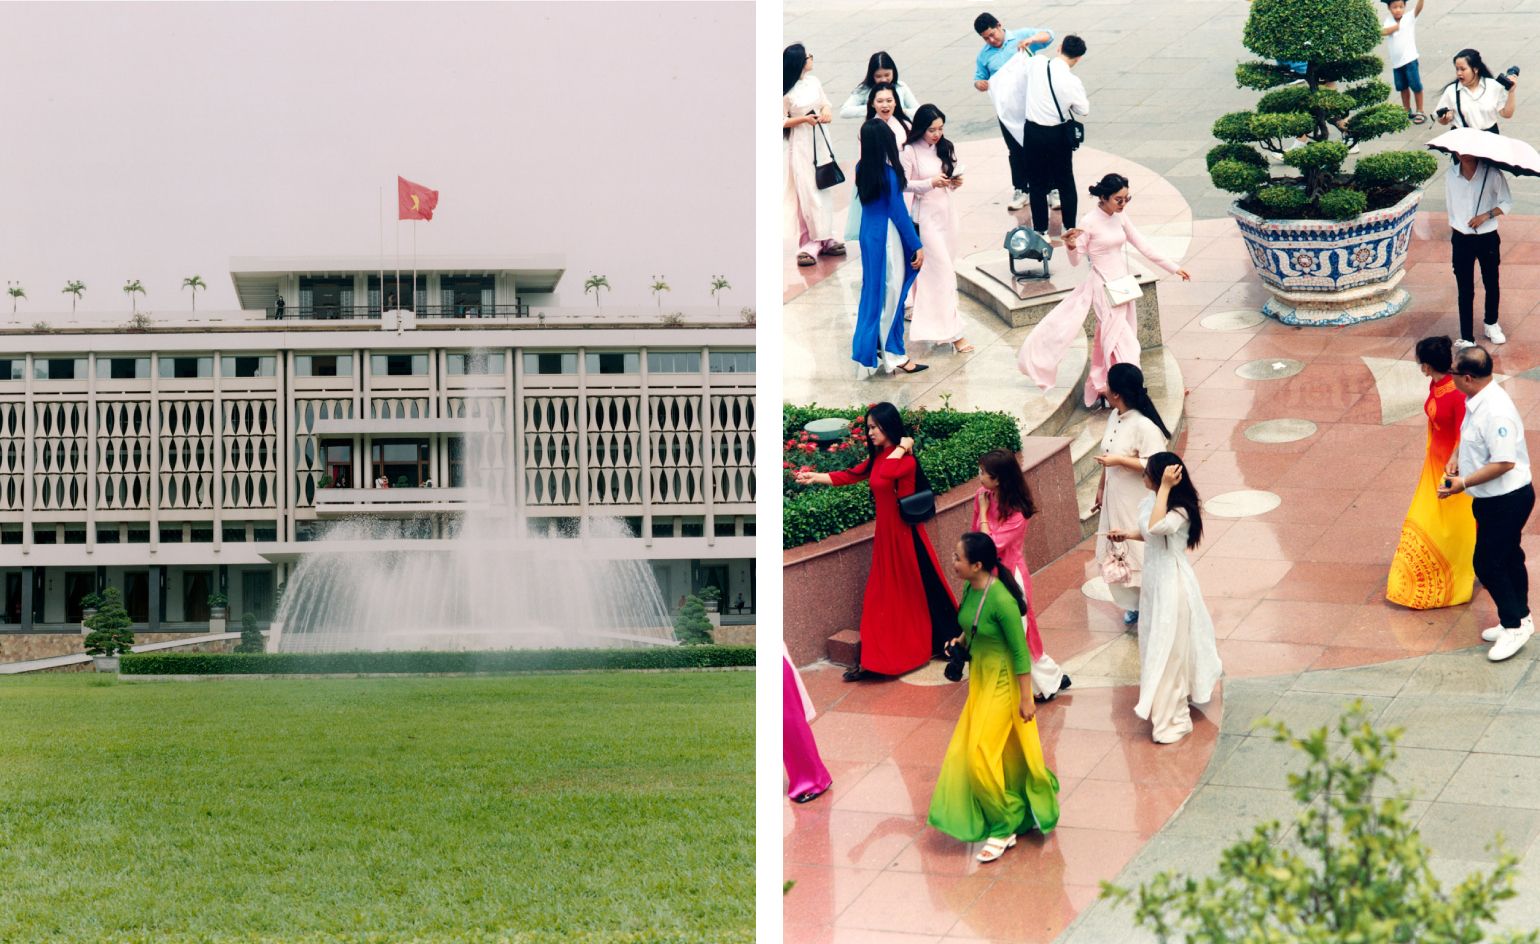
x=1104 y=237
x=930 y=166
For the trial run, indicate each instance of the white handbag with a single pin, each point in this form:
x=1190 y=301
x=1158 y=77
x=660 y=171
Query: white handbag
x=1121 y=291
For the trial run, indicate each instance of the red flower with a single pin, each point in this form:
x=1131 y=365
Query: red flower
x=785 y=465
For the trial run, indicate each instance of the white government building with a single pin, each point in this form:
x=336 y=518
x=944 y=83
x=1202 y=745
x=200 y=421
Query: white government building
x=202 y=452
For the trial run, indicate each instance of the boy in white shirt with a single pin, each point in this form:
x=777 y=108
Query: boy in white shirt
x=1400 y=31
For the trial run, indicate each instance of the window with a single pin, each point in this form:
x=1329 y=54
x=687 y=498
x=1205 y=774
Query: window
x=614 y=363
x=264 y=531
x=673 y=362
x=14 y=368
x=550 y=363
x=172 y=535
x=45 y=534
x=59 y=368
x=398 y=365
x=138 y=535
x=724 y=527
x=187 y=366
x=105 y=534
x=732 y=362
x=243 y=366
x=323 y=365
x=202 y=533
x=78 y=535
x=475 y=362
x=11 y=534
x=663 y=527
x=748 y=526
x=633 y=526
x=692 y=528
x=233 y=531
x=122 y=368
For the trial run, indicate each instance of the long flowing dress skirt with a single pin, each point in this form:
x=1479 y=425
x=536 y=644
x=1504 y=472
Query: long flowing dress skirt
x=994 y=781
x=805 y=771
x=1432 y=566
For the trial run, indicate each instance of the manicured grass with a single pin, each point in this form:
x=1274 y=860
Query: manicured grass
x=600 y=807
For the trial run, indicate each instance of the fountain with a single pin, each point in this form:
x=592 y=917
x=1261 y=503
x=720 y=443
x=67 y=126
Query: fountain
x=491 y=585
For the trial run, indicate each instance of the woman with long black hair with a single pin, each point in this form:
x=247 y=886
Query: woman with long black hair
x=994 y=783
x=878 y=339
x=908 y=611
x=804 y=106
x=1178 y=658
x=880 y=70
x=1475 y=99
x=930 y=164
x=1135 y=432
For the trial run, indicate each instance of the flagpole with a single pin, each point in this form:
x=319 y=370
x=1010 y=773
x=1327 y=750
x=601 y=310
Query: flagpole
x=382 y=253
x=414 y=266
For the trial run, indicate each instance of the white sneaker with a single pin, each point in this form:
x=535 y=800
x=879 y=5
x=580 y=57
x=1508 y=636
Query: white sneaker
x=1053 y=199
x=1462 y=344
x=1018 y=200
x=1491 y=635
x=1494 y=333
x=1510 y=642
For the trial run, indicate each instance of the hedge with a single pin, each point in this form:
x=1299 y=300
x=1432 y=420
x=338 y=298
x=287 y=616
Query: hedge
x=504 y=661
x=948 y=443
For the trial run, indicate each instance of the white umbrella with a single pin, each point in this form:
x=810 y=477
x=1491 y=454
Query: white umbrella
x=1501 y=151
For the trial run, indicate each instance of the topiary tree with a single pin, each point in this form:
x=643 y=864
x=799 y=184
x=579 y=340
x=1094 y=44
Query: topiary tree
x=110 y=626
x=1335 y=40
x=691 y=625
x=1356 y=870
x=251 y=636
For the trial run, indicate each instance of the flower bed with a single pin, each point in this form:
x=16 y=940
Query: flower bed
x=948 y=442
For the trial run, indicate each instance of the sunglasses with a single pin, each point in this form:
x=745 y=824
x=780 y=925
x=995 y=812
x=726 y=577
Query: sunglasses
x=1122 y=201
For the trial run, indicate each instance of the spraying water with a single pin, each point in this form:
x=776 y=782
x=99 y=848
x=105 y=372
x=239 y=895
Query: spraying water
x=489 y=586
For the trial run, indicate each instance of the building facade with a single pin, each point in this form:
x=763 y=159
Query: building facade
x=202 y=454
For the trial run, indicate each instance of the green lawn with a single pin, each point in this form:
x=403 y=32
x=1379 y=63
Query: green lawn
x=595 y=807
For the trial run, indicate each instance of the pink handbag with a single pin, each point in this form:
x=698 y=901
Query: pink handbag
x=1115 y=569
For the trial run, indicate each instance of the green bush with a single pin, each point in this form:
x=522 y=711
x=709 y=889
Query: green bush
x=370 y=663
x=1395 y=168
x=91 y=601
x=251 y=636
x=218 y=599
x=110 y=627
x=948 y=444
x=1354 y=869
x=692 y=627
x=1336 y=40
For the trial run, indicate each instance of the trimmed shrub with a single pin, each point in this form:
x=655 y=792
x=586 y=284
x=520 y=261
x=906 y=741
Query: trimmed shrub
x=500 y=662
x=692 y=627
x=1335 y=39
x=110 y=626
x=948 y=443
x=1395 y=168
x=251 y=636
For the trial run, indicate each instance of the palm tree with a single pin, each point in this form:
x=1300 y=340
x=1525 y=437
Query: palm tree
x=194 y=282
x=658 y=288
x=130 y=288
x=596 y=284
x=16 y=292
x=76 y=289
x=718 y=283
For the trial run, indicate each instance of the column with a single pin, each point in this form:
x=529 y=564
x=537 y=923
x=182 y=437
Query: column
x=27 y=578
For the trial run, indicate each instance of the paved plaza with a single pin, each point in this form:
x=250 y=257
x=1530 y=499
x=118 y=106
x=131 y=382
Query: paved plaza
x=1312 y=466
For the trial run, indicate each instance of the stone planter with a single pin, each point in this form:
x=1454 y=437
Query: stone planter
x=1329 y=272
x=105 y=663
x=217 y=613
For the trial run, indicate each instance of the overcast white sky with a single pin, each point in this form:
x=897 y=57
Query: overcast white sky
x=155 y=141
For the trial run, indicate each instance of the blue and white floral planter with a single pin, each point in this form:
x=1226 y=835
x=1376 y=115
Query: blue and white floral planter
x=1326 y=272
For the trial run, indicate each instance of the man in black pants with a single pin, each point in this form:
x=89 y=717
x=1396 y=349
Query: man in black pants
x=1000 y=45
x=1492 y=464
x=1477 y=194
x=1054 y=97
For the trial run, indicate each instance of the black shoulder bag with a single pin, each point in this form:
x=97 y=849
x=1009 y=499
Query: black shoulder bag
x=1074 y=131
x=827 y=175
x=919 y=507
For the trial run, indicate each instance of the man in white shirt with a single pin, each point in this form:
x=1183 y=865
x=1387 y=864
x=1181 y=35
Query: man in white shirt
x=1494 y=460
x=1054 y=96
x=1000 y=48
x=1477 y=195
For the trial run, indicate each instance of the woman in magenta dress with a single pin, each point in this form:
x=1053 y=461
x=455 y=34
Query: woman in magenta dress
x=929 y=168
x=908 y=612
x=806 y=776
x=1105 y=234
x=1001 y=508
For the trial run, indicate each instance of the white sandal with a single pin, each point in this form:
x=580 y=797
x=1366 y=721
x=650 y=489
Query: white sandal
x=994 y=848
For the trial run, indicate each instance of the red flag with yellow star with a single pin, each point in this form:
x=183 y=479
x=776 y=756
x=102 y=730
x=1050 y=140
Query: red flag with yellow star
x=416 y=201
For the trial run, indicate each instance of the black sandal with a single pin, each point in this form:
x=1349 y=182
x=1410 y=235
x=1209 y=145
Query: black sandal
x=855 y=674
x=1417 y=118
x=811 y=795
x=910 y=367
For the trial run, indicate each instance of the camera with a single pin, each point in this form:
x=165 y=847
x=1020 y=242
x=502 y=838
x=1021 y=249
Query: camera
x=1503 y=79
x=1442 y=112
x=956 y=658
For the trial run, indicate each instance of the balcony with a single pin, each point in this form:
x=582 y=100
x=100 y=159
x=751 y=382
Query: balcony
x=399 y=425
x=343 y=502
x=372 y=312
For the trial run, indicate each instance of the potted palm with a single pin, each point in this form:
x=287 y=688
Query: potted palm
x=217 y=604
x=111 y=632
x=1329 y=243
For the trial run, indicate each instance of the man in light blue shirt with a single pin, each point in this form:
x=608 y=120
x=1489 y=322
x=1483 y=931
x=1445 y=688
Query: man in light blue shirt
x=1492 y=464
x=1000 y=45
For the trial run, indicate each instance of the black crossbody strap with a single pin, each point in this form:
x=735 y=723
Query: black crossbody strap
x=1055 y=95
x=977 y=614
x=826 y=146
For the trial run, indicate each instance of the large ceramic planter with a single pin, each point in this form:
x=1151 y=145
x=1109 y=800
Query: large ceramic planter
x=1330 y=272
x=105 y=663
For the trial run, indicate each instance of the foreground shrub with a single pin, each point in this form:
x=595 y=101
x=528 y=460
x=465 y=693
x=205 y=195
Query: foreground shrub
x=111 y=629
x=1356 y=870
x=356 y=663
x=692 y=627
x=948 y=443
